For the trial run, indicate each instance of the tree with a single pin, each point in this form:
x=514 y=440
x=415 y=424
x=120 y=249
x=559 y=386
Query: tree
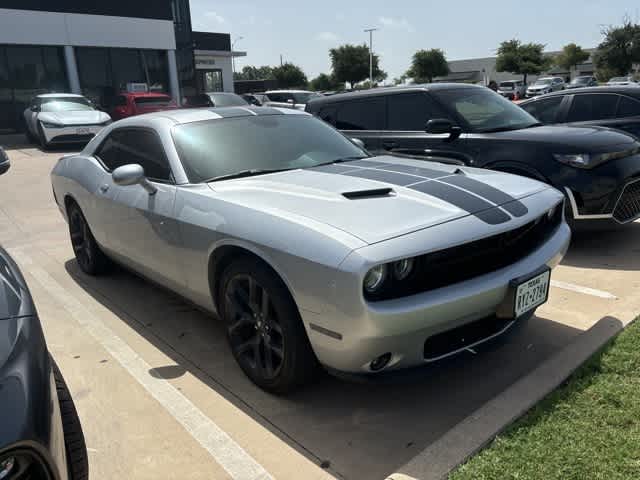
x=619 y=50
x=289 y=75
x=250 y=72
x=571 y=56
x=522 y=58
x=401 y=80
x=350 y=63
x=324 y=82
x=427 y=64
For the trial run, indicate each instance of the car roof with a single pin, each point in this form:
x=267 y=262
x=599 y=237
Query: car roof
x=425 y=87
x=190 y=115
x=289 y=91
x=59 y=95
x=628 y=90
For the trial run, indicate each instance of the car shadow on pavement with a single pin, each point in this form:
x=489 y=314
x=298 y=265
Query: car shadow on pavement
x=354 y=429
x=616 y=249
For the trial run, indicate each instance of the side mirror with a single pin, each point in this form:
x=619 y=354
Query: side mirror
x=132 y=174
x=358 y=142
x=4 y=161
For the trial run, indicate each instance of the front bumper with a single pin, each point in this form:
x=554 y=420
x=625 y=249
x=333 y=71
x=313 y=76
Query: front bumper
x=535 y=93
x=71 y=134
x=606 y=193
x=350 y=338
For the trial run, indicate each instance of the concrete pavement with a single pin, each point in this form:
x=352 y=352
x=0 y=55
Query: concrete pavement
x=135 y=357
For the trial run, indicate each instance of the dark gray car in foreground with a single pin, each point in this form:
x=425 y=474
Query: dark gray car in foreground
x=40 y=433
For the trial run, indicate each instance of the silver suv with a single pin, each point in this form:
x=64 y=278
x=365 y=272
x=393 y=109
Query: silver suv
x=512 y=88
x=546 y=85
x=289 y=98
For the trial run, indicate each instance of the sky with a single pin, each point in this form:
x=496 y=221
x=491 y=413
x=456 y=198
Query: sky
x=304 y=32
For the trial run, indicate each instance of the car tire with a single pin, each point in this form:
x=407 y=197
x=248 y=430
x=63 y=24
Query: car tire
x=42 y=140
x=74 y=443
x=266 y=334
x=91 y=259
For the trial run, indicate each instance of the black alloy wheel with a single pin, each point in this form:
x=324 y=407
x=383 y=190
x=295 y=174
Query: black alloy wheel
x=88 y=254
x=253 y=327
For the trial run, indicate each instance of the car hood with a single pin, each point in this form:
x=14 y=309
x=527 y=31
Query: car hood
x=572 y=138
x=79 y=117
x=15 y=300
x=372 y=200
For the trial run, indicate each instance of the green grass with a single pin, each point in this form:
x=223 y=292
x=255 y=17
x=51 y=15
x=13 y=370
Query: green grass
x=587 y=429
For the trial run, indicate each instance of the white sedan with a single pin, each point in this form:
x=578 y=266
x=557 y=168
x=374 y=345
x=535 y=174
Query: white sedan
x=63 y=118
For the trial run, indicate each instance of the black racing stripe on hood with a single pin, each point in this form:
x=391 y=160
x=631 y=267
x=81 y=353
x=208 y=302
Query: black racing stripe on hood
x=333 y=168
x=418 y=171
x=482 y=209
x=506 y=201
x=368 y=164
x=400 y=179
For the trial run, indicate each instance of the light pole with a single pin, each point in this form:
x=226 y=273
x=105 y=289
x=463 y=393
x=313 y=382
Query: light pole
x=370 y=30
x=233 y=59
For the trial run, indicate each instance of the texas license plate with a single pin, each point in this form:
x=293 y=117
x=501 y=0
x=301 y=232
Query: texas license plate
x=531 y=293
x=83 y=131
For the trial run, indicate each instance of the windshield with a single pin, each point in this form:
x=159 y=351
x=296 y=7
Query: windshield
x=65 y=104
x=485 y=111
x=215 y=148
x=228 y=100
x=543 y=81
x=506 y=84
x=619 y=79
x=579 y=80
x=304 y=97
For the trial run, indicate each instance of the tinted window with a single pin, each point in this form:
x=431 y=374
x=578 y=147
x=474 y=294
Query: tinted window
x=221 y=147
x=328 y=114
x=144 y=148
x=278 y=97
x=109 y=151
x=592 y=107
x=628 y=107
x=545 y=110
x=411 y=112
x=366 y=114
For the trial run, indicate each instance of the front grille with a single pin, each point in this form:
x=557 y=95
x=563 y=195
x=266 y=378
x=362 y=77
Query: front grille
x=463 y=262
x=451 y=341
x=628 y=206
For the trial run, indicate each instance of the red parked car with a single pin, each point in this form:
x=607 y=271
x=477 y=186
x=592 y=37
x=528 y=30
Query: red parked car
x=129 y=104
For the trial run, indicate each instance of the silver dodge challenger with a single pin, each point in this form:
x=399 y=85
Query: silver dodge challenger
x=310 y=250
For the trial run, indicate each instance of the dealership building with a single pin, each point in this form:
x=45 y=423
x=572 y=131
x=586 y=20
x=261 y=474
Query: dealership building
x=98 y=48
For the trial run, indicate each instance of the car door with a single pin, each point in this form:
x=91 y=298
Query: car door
x=547 y=110
x=405 y=131
x=364 y=119
x=141 y=227
x=597 y=109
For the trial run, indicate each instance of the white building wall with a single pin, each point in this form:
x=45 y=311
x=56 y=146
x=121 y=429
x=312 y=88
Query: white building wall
x=79 y=30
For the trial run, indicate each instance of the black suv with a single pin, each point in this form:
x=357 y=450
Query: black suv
x=40 y=433
x=598 y=169
x=613 y=107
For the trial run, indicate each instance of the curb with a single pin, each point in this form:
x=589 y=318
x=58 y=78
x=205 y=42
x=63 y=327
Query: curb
x=481 y=427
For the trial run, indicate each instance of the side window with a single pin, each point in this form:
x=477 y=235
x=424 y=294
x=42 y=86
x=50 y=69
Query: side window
x=277 y=97
x=366 y=114
x=144 y=148
x=411 y=111
x=598 y=106
x=628 y=107
x=328 y=114
x=545 y=110
x=109 y=151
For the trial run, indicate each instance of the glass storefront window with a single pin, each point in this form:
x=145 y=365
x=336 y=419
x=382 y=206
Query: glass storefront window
x=126 y=67
x=94 y=70
x=156 y=67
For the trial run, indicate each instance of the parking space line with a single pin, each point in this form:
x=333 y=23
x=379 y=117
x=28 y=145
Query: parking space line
x=226 y=452
x=584 y=290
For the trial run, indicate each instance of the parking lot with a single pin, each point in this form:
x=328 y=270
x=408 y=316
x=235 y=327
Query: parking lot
x=158 y=391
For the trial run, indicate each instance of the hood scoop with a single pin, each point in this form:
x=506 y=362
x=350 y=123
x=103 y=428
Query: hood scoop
x=373 y=193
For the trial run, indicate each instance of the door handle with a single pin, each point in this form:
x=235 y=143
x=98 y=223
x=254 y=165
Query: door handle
x=104 y=188
x=389 y=145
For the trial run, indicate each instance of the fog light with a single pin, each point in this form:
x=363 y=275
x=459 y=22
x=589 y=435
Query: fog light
x=6 y=467
x=380 y=362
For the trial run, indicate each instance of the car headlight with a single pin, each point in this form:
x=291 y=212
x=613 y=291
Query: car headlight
x=6 y=467
x=578 y=160
x=51 y=125
x=403 y=268
x=375 y=279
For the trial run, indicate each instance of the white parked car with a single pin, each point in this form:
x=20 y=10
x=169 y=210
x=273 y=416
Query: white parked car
x=511 y=88
x=628 y=80
x=289 y=98
x=63 y=118
x=545 y=85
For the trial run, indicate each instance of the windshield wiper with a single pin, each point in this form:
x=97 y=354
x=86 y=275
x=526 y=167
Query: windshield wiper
x=342 y=160
x=245 y=173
